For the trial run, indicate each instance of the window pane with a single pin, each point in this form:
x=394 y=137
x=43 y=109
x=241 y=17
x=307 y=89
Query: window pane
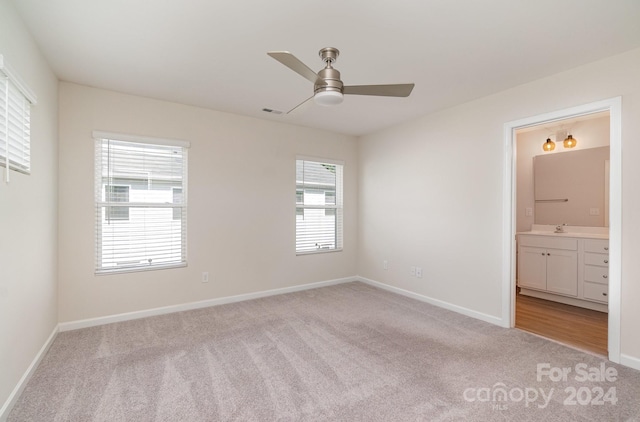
x=319 y=206
x=15 y=127
x=140 y=205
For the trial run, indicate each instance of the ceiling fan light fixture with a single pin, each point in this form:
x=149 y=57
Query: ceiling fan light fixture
x=328 y=98
x=327 y=86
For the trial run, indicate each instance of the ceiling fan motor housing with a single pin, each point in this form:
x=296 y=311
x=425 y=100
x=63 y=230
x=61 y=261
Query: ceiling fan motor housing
x=328 y=80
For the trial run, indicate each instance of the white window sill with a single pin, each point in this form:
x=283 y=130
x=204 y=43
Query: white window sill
x=138 y=269
x=319 y=251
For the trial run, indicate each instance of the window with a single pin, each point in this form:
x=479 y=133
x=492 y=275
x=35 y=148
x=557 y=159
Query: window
x=318 y=206
x=15 y=122
x=141 y=206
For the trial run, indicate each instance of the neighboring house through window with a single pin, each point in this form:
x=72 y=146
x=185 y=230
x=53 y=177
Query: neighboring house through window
x=115 y=193
x=319 y=211
x=177 y=199
x=140 y=203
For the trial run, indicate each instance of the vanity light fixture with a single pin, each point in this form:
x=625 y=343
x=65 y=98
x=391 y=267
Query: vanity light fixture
x=549 y=145
x=570 y=142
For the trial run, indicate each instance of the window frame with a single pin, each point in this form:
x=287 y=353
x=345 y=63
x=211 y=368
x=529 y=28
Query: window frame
x=101 y=204
x=337 y=207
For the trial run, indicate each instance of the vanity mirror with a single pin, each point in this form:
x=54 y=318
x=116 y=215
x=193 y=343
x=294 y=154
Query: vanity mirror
x=572 y=187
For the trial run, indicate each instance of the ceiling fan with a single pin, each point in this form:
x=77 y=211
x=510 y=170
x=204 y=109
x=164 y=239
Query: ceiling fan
x=328 y=89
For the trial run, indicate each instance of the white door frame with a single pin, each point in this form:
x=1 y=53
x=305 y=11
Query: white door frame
x=614 y=106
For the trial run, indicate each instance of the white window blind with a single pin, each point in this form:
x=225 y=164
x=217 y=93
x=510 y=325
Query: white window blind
x=141 y=221
x=318 y=206
x=15 y=122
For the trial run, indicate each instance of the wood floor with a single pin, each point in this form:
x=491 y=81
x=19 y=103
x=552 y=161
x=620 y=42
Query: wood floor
x=578 y=327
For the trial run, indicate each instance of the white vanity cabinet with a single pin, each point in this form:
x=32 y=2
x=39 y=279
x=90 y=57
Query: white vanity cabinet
x=596 y=270
x=562 y=268
x=548 y=264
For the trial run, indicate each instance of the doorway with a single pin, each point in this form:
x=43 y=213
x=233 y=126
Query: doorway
x=613 y=107
x=571 y=307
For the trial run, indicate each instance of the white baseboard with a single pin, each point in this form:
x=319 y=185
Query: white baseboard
x=630 y=361
x=13 y=397
x=92 y=322
x=440 y=303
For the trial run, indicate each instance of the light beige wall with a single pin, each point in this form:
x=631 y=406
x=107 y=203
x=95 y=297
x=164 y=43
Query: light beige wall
x=241 y=210
x=590 y=133
x=431 y=190
x=28 y=212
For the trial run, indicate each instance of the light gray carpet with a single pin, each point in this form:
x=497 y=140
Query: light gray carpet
x=349 y=352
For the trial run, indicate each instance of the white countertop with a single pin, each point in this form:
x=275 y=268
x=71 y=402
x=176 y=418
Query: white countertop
x=569 y=231
x=567 y=234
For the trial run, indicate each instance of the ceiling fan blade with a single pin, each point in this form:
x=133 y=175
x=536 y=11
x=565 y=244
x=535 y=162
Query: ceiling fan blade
x=299 y=105
x=398 y=90
x=293 y=63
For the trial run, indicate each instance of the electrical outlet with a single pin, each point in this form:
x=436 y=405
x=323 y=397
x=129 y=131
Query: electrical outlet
x=205 y=277
x=419 y=272
x=412 y=271
x=528 y=212
x=385 y=265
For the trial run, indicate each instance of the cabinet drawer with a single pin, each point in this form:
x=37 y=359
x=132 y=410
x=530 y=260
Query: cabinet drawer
x=596 y=259
x=548 y=242
x=597 y=292
x=596 y=274
x=598 y=246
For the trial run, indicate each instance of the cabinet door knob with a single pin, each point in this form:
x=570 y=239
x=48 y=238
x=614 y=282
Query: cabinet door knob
x=605 y=276
x=606 y=261
x=606 y=248
x=542 y=253
x=548 y=254
x=604 y=294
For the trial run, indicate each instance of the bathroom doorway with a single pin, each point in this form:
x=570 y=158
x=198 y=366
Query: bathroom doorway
x=562 y=186
x=518 y=214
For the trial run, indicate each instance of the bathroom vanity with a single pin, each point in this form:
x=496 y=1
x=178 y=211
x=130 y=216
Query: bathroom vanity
x=571 y=267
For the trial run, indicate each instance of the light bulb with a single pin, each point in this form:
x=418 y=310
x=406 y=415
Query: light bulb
x=570 y=142
x=549 y=145
x=328 y=98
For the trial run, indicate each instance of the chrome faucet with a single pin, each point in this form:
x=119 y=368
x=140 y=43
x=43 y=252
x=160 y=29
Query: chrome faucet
x=560 y=228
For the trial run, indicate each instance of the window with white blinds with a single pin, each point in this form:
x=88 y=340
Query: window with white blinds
x=318 y=206
x=15 y=122
x=141 y=203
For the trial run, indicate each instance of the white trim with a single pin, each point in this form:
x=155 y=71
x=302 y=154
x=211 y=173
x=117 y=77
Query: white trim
x=92 y=322
x=614 y=106
x=13 y=77
x=630 y=361
x=132 y=269
x=595 y=306
x=19 y=388
x=317 y=251
x=436 y=302
x=319 y=160
x=140 y=139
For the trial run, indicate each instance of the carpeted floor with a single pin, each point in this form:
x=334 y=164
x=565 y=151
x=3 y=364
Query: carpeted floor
x=349 y=352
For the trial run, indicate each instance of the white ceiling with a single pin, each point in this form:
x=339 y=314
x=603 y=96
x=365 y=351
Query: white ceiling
x=212 y=53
